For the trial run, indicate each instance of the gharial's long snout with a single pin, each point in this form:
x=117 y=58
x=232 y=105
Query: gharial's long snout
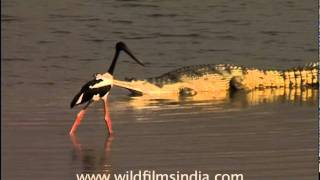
x=137 y=87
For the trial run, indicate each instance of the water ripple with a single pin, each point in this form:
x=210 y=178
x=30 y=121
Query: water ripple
x=9 y=18
x=120 y=21
x=16 y=59
x=139 y=5
x=158 y=15
x=275 y=33
x=193 y=35
x=60 y=32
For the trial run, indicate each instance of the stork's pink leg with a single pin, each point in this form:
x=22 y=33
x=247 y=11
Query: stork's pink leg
x=79 y=118
x=107 y=117
x=77 y=121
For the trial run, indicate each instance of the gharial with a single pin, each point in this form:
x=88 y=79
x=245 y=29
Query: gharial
x=210 y=78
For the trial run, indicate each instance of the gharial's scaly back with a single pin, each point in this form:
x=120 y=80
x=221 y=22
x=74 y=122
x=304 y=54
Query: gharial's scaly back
x=194 y=72
x=242 y=77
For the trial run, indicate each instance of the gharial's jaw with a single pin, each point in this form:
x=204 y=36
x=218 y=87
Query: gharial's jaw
x=171 y=91
x=217 y=85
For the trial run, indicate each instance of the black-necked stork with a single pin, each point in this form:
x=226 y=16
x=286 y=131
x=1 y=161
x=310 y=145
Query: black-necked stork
x=98 y=89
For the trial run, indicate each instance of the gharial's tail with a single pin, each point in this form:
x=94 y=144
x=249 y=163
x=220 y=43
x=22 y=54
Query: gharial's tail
x=307 y=75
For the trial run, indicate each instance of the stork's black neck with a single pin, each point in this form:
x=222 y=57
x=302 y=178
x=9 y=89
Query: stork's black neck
x=113 y=64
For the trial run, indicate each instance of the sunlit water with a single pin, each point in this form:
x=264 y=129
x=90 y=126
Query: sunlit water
x=50 y=48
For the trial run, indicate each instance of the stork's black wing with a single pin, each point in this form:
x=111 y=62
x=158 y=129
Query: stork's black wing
x=86 y=93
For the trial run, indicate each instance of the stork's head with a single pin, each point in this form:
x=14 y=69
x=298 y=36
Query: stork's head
x=122 y=46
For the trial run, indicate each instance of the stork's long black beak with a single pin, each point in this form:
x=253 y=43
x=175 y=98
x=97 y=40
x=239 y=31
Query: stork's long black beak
x=127 y=50
x=120 y=46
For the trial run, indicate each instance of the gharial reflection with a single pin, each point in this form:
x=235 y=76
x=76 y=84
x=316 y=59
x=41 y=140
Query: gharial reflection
x=93 y=160
x=241 y=99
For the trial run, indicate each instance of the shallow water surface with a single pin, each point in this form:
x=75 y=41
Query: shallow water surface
x=50 y=48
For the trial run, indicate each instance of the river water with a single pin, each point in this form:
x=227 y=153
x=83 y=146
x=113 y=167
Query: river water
x=50 y=48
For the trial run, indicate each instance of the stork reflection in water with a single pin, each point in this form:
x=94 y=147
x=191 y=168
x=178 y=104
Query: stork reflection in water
x=93 y=158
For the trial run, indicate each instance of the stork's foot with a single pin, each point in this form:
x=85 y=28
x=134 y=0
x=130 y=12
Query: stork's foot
x=110 y=133
x=109 y=126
